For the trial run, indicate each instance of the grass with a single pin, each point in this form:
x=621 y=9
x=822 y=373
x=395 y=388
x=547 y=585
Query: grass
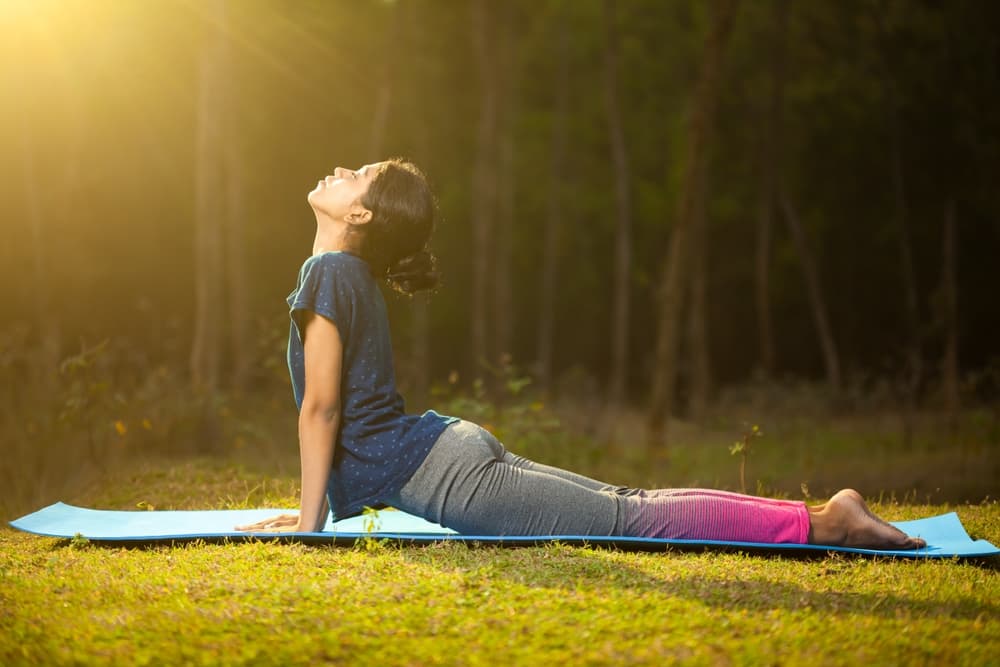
x=70 y=602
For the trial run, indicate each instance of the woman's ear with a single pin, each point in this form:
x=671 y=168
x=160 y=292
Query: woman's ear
x=358 y=215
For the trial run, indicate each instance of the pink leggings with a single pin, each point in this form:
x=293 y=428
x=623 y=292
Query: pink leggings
x=708 y=514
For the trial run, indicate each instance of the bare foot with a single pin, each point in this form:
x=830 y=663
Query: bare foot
x=846 y=521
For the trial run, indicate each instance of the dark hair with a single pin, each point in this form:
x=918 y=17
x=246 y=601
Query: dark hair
x=394 y=241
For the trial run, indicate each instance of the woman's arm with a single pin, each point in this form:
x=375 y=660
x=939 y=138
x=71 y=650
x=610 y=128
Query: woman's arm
x=319 y=419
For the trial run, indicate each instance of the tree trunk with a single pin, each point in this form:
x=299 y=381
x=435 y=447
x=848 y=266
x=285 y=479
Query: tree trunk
x=914 y=355
x=701 y=367
x=383 y=93
x=623 y=212
x=420 y=346
x=554 y=215
x=503 y=304
x=420 y=311
x=817 y=303
x=380 y=119
x=46 y=318
x=770 y=159
x=237 y=276
x=674 y=277
x=208 y=241
x=238 y=288
x=762 y=275
x=914 y=366
x=949 y=293
x=484 y=186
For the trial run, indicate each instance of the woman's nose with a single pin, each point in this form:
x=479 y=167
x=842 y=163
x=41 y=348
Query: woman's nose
x=338 y=172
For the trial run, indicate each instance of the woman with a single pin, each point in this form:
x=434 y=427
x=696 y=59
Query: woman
x=358 y=447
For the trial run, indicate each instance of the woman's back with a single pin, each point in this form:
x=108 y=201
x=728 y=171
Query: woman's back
x=378 y=445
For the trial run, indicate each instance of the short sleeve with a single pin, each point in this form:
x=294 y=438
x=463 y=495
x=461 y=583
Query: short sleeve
x=327 y=287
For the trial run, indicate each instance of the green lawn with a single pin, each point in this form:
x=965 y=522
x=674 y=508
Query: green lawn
x=265 y=603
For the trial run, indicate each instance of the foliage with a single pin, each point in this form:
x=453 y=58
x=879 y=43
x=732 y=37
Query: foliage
x=106 y=405
x=504 y=405
x=120 y=264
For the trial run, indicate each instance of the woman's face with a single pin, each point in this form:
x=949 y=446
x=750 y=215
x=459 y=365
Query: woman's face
x=339 y=194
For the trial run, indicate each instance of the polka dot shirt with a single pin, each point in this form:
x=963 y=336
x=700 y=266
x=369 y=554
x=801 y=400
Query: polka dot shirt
x=379 y=446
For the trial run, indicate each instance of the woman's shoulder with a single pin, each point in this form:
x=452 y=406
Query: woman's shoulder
x=334 y=258
x=331 y=277
x=334 y=264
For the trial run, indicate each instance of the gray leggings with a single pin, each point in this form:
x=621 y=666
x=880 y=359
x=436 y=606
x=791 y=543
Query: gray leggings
x=469 y=482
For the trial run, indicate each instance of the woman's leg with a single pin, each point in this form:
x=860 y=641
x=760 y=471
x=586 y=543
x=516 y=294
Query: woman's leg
x=586 y=482
x=845 y=520
x=468 y=483
x=693 y=515
x=527 y=464
x=655 y=493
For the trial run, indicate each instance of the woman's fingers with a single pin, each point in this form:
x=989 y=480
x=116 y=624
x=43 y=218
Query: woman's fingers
x=283 y=521
x=269 y=528
x=292 y=528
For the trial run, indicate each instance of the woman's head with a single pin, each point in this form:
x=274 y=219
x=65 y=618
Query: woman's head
x=390 y=211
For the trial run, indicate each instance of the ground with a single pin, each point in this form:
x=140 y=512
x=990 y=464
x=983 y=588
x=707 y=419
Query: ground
x=69 y=602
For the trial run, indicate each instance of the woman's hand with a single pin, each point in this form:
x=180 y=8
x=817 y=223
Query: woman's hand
x=283 y=523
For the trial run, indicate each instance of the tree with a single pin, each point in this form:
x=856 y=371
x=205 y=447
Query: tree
x=793 y=223
x=237 y=278
x=949 y=317
x=405 y=29
x=45 y=316
x=814 y=290
x=623 y=211
x=673 y=283
x=206 y=346
x=554 y=217
x=770 y=160
x=503 y=296
x=384 y=82
x=701 y=367
x=485 y=177
x=900 y=206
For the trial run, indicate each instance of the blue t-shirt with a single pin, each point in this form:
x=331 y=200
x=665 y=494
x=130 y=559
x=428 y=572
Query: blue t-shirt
x=379 y=446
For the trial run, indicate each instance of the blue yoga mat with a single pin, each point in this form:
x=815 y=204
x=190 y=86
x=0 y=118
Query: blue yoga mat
x=945 y=535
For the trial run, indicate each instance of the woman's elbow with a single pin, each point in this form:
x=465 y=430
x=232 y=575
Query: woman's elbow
x=323 y=411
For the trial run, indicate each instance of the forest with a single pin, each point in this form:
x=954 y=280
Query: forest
x=654 y=216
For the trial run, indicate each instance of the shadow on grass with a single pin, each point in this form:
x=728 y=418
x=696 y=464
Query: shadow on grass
x=724 y=585
x=726 y=589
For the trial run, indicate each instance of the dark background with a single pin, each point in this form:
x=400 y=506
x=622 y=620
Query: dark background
x=888 y=120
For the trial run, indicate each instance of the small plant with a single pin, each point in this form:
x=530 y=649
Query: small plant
x=79 y=541
x=371 y=523
x=742 y=448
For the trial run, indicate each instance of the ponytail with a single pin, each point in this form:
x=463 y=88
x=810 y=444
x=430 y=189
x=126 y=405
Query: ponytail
x=394 y=241
x=413 y=273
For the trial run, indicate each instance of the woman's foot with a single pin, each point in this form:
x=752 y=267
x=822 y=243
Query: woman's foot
x=846 y=521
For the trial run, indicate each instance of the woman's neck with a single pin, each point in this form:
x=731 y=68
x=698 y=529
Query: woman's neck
x=330 y=236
